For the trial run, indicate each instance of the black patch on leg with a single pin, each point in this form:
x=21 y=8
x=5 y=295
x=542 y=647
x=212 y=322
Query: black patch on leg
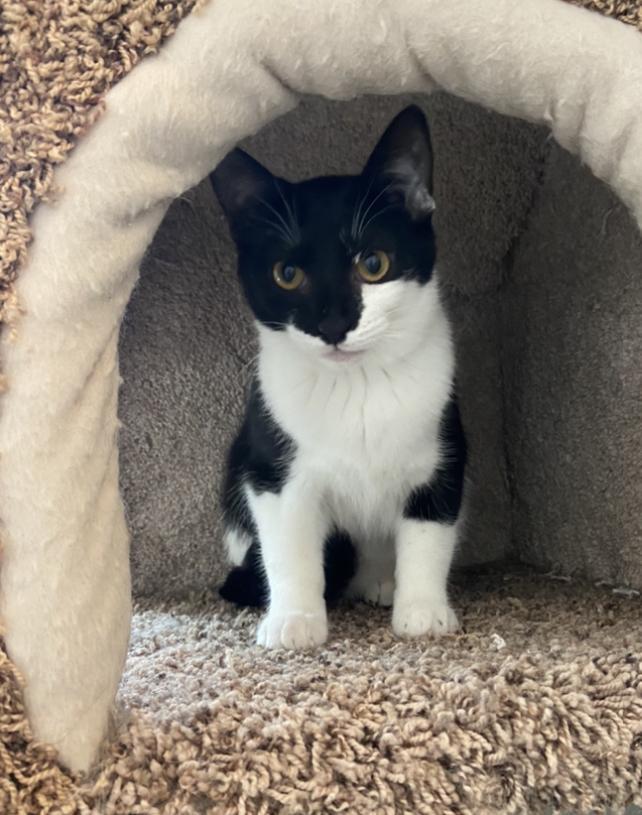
x=440 y=499
x=246 y=585
x=260 y=456
x=340 y=565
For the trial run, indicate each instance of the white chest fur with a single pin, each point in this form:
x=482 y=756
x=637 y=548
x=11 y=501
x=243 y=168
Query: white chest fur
x=366 y=430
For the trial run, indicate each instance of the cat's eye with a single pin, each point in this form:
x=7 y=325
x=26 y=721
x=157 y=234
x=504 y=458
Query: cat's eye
x=287 y=276
x=372 y=266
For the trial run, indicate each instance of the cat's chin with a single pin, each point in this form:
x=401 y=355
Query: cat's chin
x=336 y=355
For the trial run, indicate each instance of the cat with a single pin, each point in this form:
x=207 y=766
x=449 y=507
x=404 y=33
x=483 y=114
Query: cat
x=347 y=475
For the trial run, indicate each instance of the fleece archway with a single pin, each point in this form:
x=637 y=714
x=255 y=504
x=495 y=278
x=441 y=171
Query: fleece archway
x=223 y=75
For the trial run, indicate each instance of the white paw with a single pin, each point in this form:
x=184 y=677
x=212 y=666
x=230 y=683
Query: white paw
x=424 y=616
x=380 y=593
x=293 y=629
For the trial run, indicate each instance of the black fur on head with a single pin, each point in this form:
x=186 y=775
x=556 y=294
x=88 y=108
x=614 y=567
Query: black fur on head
x=316 y=232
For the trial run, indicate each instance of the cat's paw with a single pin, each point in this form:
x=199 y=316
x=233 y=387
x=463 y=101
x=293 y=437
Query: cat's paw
x=379 y=593
x=416 y=618
x=293 y=629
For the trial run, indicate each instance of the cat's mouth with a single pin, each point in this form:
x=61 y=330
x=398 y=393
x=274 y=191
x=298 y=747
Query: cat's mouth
x=337 y=354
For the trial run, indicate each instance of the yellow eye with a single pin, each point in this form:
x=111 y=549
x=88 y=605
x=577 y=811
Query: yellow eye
x=372 y=266
x=288 y=277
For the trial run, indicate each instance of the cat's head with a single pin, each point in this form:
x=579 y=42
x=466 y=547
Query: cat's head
x=338 y=263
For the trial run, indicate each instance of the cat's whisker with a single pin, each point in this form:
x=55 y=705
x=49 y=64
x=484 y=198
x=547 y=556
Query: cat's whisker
x=293 y=221
x=244 y=368
x=377 y=214
x=275 y=227
x=286 y=230
x=356 y=215
x=383 y=191
x=371 y=204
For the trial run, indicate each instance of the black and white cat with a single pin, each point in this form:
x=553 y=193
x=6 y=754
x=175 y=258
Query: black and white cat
x=347 y=473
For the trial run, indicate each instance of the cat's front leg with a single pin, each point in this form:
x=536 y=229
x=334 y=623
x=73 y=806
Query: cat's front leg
x=424 y=553
x=291 y=532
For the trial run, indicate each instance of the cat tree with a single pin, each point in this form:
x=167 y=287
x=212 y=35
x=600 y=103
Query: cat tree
x=226 y=72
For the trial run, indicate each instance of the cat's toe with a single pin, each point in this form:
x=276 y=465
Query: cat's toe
x=294 y=630
x=426 y=616
x=380 y=593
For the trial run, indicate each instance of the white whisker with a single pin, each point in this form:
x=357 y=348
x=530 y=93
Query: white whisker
x=375 y=215
x=356 y=215
x=277 y=228
x=369 y=207
x=293 y=222
x=286 y=229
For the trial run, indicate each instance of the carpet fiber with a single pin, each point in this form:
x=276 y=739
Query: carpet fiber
x=538 y=702
x=58 y=58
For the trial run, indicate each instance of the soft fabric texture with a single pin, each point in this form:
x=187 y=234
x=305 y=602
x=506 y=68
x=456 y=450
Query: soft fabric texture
x=222 y=76
x=51 y=95
x=57 y=61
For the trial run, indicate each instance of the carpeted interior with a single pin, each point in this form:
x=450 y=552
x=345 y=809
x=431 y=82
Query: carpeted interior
x=187 y=342
x=537 y=703
x=539 y=264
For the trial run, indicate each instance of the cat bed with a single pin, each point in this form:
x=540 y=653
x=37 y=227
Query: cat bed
x=538 y=701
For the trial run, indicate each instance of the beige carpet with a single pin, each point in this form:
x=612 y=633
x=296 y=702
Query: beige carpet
x=538 y=702
x=628 y=11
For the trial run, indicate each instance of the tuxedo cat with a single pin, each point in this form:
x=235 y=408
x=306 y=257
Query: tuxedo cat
x=347 y=473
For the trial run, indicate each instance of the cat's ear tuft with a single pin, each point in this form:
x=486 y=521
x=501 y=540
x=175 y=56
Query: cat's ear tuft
x=403 y=157
x=240 y=182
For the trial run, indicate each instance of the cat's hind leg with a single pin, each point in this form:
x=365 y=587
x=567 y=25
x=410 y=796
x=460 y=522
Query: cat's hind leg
x=246 y=584
x=340 y=565
x=374 y=581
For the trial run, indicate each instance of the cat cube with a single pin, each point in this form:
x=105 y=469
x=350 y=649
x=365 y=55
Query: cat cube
x=125 y=355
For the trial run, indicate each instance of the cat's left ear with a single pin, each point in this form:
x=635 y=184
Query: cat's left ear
x=403 y=157
x=240 y=183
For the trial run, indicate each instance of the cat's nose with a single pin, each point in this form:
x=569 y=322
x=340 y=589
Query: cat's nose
x=333 y=329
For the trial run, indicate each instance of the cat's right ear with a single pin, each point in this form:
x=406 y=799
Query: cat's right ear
x=403 y=158
x=240 y=183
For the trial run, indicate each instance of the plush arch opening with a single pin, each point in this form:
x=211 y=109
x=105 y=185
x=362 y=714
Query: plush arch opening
x=223 y=75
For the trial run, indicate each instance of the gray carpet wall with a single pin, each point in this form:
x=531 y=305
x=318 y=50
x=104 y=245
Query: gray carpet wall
x=541 y=272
